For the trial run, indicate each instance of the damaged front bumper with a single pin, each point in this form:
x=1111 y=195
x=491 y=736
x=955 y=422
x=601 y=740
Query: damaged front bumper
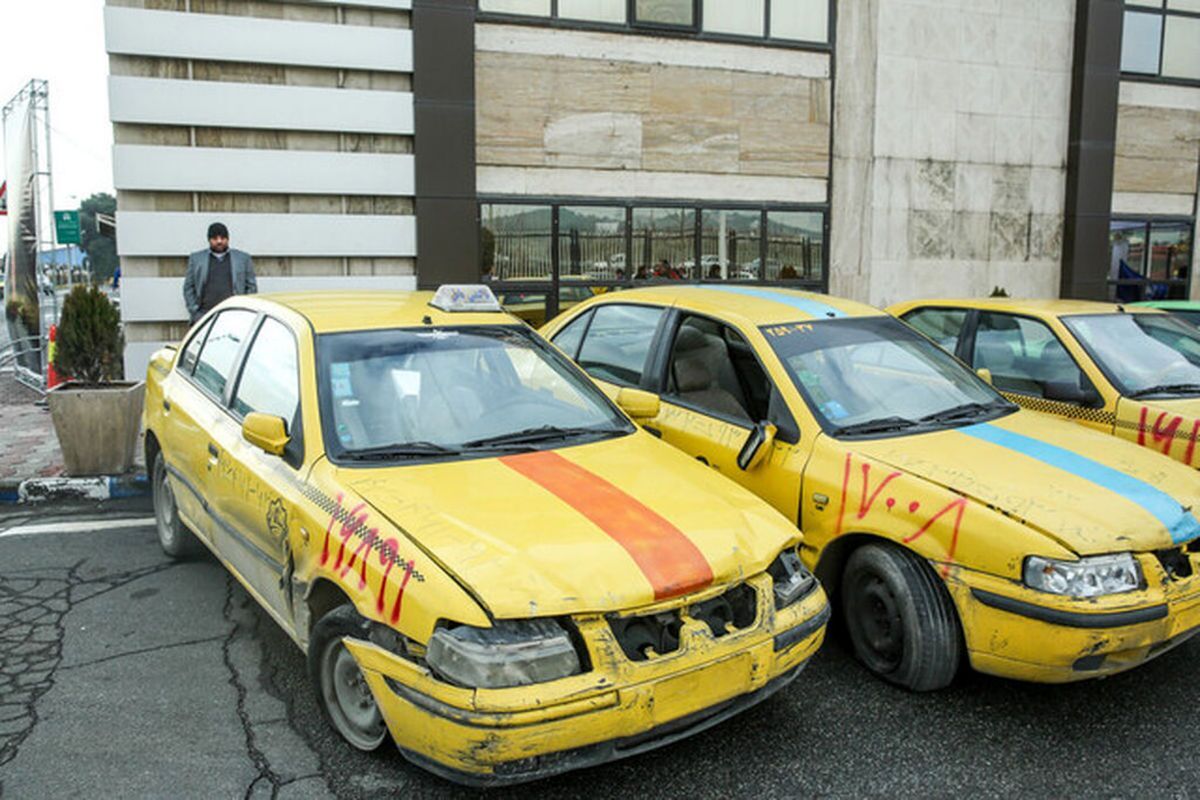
x=1015 y=632
x=619 y=708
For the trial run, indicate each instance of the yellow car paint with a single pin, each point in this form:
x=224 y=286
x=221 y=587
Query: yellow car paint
x=482 y=539
x=972 y=501
x=1169 y=426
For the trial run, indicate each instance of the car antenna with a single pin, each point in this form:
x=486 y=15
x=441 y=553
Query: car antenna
x=426 y=320
x=1120 y=308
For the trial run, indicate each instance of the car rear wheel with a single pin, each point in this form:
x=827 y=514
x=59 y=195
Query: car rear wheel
x=342 y=691
x=902 y=623
x=173 y=536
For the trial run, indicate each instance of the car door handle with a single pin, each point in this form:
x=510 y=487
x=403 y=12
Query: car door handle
x=213 y=451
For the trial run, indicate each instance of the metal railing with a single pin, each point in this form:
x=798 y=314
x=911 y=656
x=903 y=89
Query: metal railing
x=12 y=353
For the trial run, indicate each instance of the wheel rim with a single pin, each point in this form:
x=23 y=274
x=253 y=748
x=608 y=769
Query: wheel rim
x=164 y=505
x=349 y=700
x=876 y=623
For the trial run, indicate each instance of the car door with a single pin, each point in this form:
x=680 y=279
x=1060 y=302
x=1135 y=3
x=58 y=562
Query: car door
x=253 y=491
x=714 y=390
x=1030 y=365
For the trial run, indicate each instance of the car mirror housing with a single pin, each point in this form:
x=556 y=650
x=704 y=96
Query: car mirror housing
x=638 y=404
x=266 y=432
x=984 y=373
x=757 y=445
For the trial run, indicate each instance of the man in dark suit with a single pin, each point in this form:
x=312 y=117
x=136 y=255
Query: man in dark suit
x=216 y=273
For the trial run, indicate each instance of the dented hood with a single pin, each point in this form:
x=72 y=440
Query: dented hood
x=1090 y=492
x=598 y=527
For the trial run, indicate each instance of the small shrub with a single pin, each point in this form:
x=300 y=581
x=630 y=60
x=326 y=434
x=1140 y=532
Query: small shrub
x=90 y=343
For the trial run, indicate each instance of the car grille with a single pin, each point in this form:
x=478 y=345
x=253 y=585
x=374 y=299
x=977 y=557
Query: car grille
x=651 y=635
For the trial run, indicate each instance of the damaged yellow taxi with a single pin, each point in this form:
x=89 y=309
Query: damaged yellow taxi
x=948 y=523
x=479 y=552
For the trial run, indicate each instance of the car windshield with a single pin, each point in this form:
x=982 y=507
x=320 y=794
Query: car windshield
x=434 y=392
x=1190 y=316
x=874 y=376
x=1142 y=354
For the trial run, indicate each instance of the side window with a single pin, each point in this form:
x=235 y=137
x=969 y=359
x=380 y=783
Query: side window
x=714 y=369
x=943 y=325
x=618 y=343
x=220 y=349
x=568 y=338
x=270 y=382
x=187 y=361
x=1023 y=355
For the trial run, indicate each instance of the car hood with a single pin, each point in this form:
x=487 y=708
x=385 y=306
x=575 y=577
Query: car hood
x=598 y=527
x=1090 y=492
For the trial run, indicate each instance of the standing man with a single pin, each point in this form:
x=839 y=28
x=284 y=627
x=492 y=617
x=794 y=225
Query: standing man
x=216 y=273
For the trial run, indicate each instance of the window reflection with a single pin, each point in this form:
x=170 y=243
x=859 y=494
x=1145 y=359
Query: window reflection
x=795 y=243
x=515 y=242
x=730 y=245
x=591 y=242
x=664 y=239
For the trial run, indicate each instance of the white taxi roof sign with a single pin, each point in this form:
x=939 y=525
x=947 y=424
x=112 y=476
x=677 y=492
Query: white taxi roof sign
x=465 y=297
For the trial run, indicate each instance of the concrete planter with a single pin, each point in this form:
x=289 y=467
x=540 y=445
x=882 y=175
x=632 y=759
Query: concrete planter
x=97 y=425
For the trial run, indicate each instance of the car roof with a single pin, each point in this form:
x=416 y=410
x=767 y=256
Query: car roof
x=755 y=305
x=1045 y=308
x=332 y=312
x=1171 y=305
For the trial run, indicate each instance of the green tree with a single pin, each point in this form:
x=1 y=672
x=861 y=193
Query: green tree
x=101 y=249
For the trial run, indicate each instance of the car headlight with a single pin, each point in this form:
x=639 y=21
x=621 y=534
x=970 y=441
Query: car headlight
x=510 y=653
x=792 y=579
x=1087 y=577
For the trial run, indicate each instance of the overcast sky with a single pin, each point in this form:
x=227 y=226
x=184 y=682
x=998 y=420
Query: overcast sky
x=62 y=41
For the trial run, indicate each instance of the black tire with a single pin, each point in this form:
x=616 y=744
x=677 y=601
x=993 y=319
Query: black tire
x=342 y=692
x=173 y=536
x=900 y=619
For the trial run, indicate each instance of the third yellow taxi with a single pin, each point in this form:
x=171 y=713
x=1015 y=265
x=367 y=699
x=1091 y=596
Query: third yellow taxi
x=945 y=520
x=1124 y=370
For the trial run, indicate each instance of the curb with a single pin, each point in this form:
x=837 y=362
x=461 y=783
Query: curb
x=106 y=487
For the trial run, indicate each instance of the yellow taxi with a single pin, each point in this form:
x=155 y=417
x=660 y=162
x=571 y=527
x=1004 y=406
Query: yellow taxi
x=943 y=519
x=477 y=550
x=1124 y=370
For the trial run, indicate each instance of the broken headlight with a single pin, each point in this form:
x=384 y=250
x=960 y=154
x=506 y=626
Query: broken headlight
x=1087 y=577
x=792 y=579
x=510 y=653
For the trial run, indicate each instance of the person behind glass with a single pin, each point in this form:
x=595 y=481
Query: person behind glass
x=665 y=270
x=216 y=274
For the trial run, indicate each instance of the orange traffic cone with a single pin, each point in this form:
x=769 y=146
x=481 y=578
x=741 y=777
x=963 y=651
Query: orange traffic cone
x=52 y=377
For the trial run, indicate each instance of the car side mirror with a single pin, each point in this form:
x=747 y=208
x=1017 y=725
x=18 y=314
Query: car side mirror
x=638 y=404
x=758 y=444
x=266 y=432
x=984 y=373
x=1071 y=392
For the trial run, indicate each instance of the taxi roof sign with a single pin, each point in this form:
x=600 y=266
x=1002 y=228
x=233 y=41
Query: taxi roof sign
x=465 y=297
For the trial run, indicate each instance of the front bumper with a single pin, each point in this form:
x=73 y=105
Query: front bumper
x=617 y=709
x=1014 y=632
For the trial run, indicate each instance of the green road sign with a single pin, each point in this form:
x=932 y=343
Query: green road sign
x=66 y=227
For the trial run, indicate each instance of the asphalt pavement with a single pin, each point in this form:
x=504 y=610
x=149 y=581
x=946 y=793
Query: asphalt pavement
x=123 y=674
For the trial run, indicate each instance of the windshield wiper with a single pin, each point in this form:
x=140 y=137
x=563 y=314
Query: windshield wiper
x=881 y=425
x=1167 y=388
x=402 y=450
x=963 y=411
x=542 y=433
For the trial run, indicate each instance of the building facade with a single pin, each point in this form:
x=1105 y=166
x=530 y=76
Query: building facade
x=877 y=149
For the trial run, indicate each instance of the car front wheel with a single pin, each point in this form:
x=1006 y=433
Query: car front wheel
x=901 y=622
x=342 y=691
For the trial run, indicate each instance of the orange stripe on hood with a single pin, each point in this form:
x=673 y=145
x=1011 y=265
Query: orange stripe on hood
x=670 y=561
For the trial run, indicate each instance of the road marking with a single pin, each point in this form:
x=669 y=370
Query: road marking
x=82 y=526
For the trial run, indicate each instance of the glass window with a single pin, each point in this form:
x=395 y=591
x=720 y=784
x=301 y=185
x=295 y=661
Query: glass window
x=1151 y=260
x=1170 y=247
x=591 y=241
x=270 y=382
x=1140 y=42
x=618 y=343
x=874 y=376
x=743 y=17
x=187 y=361
x=664 y=240
x=1184 y=5
x=568 y=338
x=796 y=243
x=730 y=246
x=800 y=20
x=1142 y=354
x=1024 y=356
x=515 y=242
x=526 y=304
x=229 y=331
x=393 y=395
x=593 y=10
x=1181 y=48
x=533 y=7
x=714 y=369
x=943 y=325
x=680 y=13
